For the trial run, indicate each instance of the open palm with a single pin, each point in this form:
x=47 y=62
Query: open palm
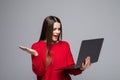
x=29 y=50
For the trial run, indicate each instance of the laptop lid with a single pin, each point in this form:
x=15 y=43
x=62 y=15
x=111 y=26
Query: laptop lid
x=92 y=48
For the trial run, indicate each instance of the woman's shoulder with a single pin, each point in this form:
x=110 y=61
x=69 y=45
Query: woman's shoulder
x=38 y=43
x=65 y=43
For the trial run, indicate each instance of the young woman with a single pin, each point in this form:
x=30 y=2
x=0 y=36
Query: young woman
x=50 y=53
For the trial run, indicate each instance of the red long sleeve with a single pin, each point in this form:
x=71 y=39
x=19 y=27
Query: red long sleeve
x=37 y=62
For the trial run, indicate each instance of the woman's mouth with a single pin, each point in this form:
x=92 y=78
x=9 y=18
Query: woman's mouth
x=55 y=37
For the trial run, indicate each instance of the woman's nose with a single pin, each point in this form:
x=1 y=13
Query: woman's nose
x=57 y=31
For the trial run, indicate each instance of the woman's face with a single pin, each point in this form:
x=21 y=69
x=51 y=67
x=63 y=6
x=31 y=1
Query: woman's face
x=56 y=32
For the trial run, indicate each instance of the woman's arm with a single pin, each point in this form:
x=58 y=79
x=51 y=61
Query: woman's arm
x=37 y=62
x=38 y=65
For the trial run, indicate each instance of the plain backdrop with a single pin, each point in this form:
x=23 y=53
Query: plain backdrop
x=21 y=21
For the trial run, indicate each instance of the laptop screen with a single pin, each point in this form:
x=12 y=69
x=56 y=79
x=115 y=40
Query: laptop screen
x=92 y=48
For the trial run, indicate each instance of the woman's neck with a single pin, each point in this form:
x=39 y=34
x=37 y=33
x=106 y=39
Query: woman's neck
x=53 y=42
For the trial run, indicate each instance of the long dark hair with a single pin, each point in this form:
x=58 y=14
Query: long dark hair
x=47 y=31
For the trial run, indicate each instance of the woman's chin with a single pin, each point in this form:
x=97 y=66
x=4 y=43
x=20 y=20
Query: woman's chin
x=55 y=41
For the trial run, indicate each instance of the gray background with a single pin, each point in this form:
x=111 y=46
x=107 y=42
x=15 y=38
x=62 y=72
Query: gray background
x=21 y=21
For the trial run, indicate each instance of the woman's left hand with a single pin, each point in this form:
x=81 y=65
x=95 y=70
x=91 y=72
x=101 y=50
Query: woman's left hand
x=86 y=64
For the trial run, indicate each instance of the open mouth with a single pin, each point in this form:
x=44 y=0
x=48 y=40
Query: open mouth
x=56 y=35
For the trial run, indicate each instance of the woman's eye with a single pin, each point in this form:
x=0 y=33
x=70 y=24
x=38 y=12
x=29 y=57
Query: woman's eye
x=59 y=29
x=54 y=29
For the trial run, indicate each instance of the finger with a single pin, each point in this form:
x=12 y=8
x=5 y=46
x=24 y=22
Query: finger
x=83 y=67
x=86 y=64
x=88 y=57
x=88 y=60
x=83 y=64
x=26 y=49
x=23 y=48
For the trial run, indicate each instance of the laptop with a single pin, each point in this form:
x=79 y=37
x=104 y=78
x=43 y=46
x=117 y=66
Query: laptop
x=90 y=47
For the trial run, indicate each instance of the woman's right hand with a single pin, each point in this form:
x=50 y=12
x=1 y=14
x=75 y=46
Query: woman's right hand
x=29 y=50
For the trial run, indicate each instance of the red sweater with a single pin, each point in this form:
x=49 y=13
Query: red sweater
x=61 y=57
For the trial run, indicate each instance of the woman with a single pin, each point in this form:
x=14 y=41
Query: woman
x=50 y=53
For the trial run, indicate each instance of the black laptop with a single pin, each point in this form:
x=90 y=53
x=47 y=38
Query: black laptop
x=90 y=47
